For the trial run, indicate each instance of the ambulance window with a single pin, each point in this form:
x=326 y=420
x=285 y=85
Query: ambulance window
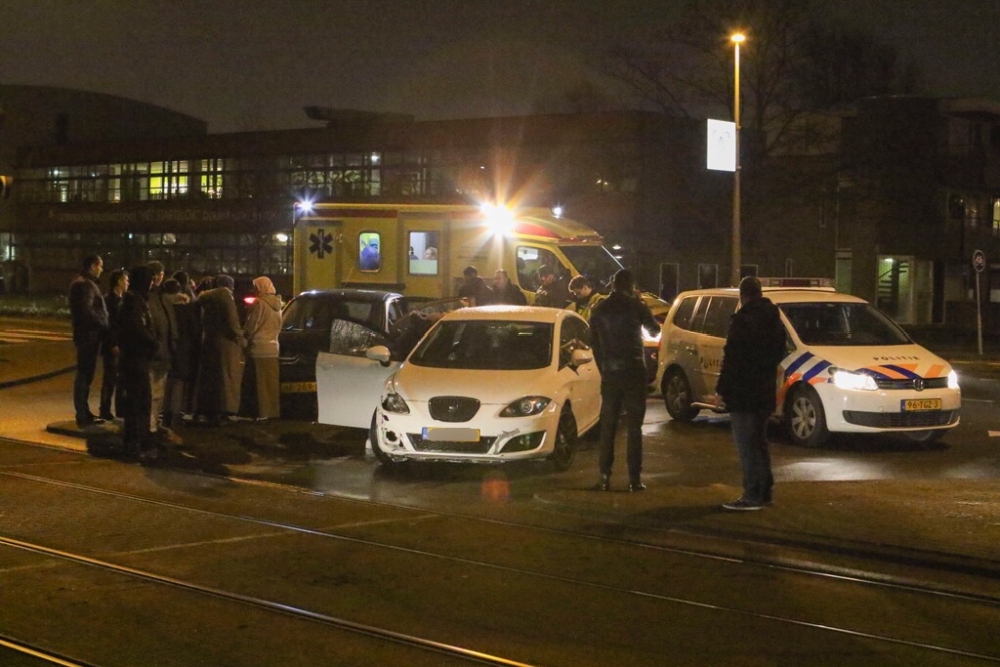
x=369 y=251
x=529 y=260
x=717 y=317
x=682 y=318
x=423 y=253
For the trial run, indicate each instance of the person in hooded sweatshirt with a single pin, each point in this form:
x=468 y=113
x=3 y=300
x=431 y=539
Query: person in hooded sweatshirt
x=260 y=380
x=220 y=359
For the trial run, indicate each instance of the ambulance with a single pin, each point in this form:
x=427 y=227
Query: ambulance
x=849 y=367
x=421 y=250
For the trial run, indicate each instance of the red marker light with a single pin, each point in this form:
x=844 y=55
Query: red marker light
x=249 y=299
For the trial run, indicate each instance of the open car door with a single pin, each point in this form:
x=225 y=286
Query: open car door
x=348 y=384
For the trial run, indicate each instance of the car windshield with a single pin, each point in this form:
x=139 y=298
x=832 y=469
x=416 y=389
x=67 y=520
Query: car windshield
x=842 y=324
x=486 y=345
x=305 y=313
x=593 y=261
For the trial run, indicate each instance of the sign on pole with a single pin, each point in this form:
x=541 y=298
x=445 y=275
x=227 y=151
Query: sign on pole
x=721 y=146
x=979 y=263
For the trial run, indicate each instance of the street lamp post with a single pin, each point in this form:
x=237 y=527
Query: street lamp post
x=736 y=39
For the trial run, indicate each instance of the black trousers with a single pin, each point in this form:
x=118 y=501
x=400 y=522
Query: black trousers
x=136 y=398
x=87 y=352
x=623 y=390
x=109 y=385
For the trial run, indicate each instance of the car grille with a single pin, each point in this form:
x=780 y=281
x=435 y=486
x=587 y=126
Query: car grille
x=910 y=383
x=901 y=419
x=453 y=408
x=479 y=447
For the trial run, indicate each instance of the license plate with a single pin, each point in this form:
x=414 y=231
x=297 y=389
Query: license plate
x=451 y=434
x=920 y=404
x=298 y=387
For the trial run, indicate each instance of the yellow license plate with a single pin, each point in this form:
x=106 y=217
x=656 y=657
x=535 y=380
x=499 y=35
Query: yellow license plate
x=298 y=387
x=921 y=404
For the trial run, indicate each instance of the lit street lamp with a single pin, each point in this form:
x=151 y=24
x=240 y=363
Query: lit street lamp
x=736 y=39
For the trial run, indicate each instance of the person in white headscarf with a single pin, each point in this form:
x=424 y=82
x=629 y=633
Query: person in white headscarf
x=260 y=397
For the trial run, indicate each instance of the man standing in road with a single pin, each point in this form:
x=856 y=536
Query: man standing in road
x=748 y=386
x=551 y=291
x=473 y=288
x=111 y=351
x=161 y=309
x=584 y=296
x=617 y=323
x=90 y=325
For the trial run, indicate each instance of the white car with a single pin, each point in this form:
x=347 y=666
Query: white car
x=486 y=385
x=849 y=368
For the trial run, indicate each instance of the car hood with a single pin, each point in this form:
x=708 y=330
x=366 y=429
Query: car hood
x=893 y=361
x=421 y=383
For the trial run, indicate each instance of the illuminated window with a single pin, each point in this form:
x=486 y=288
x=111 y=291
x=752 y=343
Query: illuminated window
x=996 y=217
x=423 y=253
x=370 y=251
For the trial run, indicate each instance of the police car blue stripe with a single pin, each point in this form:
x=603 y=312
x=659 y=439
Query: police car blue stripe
x=902 y=371
x=816 y=370
x=798 y=363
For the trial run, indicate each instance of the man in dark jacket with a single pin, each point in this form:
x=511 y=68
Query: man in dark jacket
x=165 y=325
x=748 y=386
x=139 y=345
x=506 y=292
x=110 y=350
x=617 y=323
x=90 y=325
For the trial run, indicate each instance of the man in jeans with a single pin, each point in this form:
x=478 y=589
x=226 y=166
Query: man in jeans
x=617 y=324
x=90 y=326
x=747 y=388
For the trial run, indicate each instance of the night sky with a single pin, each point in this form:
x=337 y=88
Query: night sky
x=253 y=64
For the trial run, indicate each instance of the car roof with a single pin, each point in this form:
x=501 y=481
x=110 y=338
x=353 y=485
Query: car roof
x=348 y=294
x=783 y=294
x=502 y=312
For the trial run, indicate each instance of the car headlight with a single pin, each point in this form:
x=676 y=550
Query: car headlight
x=525 y=407
x=850 y=380
x=952 y=380
x=391 y=401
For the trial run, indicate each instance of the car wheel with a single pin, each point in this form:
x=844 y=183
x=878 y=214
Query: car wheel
x=805 y=418
x=677 y=396
x=926 y=437
x=380 y=455
x=565 y=447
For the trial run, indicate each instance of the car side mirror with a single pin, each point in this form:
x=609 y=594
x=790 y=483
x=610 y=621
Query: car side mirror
x=379 y=353
x=580 y=357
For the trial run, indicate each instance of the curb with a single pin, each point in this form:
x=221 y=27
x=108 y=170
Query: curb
x=7 y=384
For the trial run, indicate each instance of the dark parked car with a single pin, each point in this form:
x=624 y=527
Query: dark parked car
x=340 y=321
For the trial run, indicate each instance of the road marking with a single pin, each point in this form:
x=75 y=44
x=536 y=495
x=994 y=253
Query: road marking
x=15 y=336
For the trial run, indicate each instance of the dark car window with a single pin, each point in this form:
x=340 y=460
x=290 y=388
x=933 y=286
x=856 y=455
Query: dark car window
x=486 y=345
x=682 y=318
x=575 y=335
x=306 y=315
x=353 y=339
x=719 y=313
x=843 y=324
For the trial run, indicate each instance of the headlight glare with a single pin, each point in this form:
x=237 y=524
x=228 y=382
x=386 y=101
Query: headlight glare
x=850 y=380
x=952 y=379
x=525 y=407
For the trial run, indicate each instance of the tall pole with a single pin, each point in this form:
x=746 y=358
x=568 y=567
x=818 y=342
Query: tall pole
x=736 y=257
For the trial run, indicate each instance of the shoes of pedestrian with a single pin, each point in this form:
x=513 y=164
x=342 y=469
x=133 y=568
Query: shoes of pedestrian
x=89 y=420
x=633 y=487
x=107 y=416
x=604 y=484
x=742 y=505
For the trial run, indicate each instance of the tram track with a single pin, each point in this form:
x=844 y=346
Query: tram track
x=853 y=579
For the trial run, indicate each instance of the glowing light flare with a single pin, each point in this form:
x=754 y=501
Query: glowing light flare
x=499 y=217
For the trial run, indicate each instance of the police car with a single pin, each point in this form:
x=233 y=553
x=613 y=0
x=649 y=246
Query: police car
x=849 y=367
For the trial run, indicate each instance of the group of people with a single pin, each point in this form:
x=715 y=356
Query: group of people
x=171 y=348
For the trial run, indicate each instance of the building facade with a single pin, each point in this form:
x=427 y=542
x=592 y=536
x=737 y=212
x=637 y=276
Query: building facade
x=889 y=198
